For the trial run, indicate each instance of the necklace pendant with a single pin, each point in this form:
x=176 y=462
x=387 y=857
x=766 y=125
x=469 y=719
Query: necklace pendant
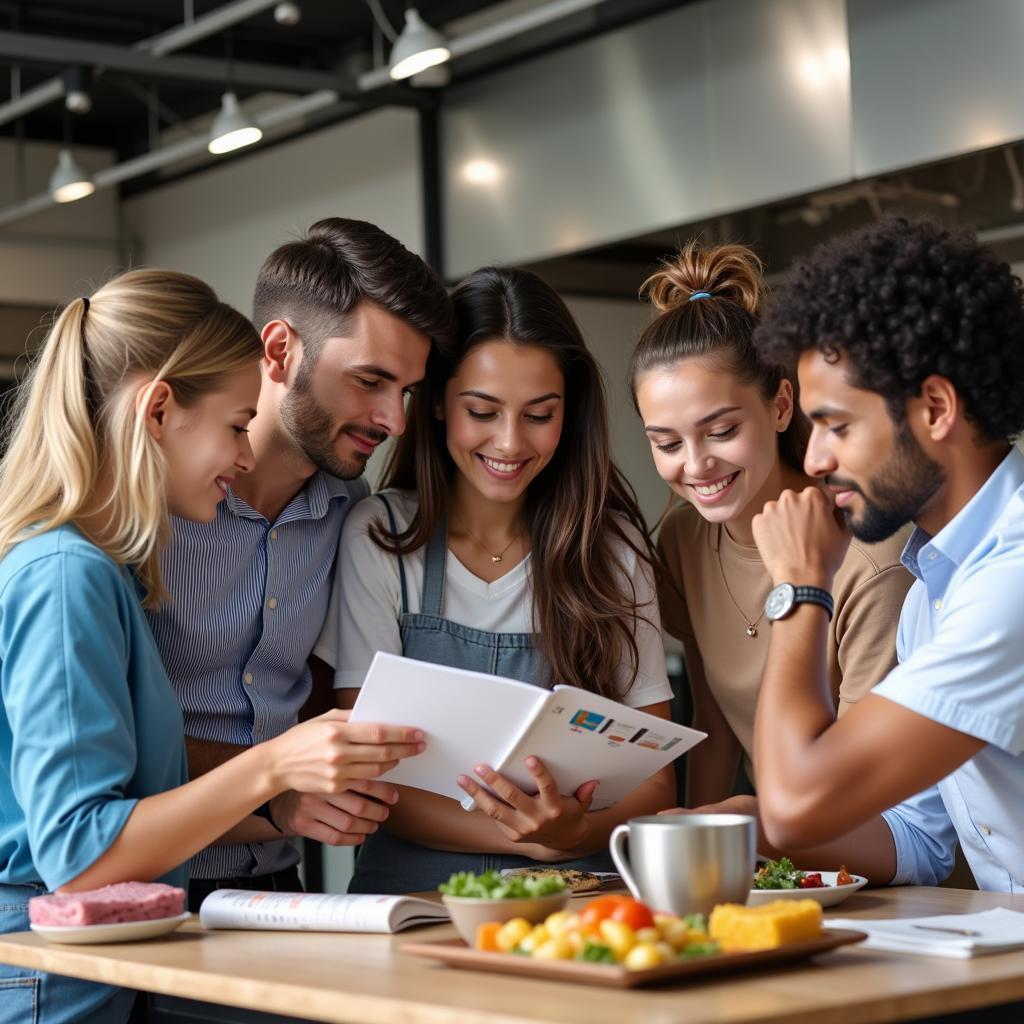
x=495 y=558
x=751 y=630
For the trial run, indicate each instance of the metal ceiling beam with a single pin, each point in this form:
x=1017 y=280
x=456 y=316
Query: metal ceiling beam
x=23 y=48
x=205 y=25
x=159 y=45
x=195 y=146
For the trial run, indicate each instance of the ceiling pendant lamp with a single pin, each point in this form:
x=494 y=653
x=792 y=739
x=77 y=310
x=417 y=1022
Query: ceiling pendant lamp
x=417 y=48
x=68 y=181
x=231 y=128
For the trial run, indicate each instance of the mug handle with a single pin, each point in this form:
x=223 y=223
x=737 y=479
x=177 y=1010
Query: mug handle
x=616 y=846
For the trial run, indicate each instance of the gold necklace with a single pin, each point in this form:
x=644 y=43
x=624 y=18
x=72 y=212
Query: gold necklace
x=751 y=626
x=483 y=547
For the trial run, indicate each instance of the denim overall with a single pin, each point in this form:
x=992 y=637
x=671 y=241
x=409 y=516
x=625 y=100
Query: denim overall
x=387 y=864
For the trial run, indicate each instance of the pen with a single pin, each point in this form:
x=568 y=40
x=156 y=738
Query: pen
x=951 y=931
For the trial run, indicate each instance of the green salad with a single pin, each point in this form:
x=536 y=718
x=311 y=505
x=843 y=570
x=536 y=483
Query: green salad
x=778 y=874
x=492 y=886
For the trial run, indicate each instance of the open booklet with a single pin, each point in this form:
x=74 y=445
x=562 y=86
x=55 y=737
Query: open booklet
x=472 y=718
x=960 y=936
x=316 y=912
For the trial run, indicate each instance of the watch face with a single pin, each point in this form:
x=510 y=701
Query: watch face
x=780 y=601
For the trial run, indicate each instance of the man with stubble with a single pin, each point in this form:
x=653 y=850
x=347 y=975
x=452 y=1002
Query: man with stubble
x=348 y=317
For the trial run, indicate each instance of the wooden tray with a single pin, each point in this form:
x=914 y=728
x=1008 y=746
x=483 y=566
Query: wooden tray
x=456 y=953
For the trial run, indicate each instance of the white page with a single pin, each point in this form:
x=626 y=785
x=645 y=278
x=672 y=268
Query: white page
x=315 y=912
x=468 y=718
x=995 y=931
x=581 y=736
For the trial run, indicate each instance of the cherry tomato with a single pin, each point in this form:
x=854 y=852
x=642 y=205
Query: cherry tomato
x=597 y=910
x=634 y=913
x=812 y=881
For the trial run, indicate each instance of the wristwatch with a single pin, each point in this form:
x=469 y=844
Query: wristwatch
x=263 y=811
x=782 y=599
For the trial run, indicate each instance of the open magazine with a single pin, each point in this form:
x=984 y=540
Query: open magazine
x=472 y=718
x=316 y=912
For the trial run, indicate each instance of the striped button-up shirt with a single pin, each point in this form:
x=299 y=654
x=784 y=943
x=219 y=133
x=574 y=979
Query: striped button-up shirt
x=247 y=602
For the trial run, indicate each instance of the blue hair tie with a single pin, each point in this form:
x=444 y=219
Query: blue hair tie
x=699 y=295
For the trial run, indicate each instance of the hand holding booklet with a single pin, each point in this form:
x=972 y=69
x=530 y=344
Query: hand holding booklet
x=316 y=912
x=472 y=718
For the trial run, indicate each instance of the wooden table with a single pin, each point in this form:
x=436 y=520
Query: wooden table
x=365 y=979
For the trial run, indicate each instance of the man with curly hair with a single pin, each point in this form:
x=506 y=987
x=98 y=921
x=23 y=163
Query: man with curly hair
x=909 y=345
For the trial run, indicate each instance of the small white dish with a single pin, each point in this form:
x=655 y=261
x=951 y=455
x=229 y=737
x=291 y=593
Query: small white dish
x=126 y=931
x=828 y=896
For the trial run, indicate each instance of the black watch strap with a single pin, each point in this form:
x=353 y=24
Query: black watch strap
x=784 y=597
x=263 y=811
x=815 y=595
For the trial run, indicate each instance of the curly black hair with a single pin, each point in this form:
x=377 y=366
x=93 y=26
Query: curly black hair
x=903 y=299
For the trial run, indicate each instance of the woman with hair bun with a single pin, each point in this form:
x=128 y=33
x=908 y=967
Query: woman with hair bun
x=727 y=436
x=137 y=407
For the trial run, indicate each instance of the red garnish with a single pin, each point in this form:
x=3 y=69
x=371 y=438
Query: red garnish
x=812 y=881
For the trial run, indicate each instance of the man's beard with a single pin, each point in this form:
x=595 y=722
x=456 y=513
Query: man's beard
x=310 y=427
x=899 y=491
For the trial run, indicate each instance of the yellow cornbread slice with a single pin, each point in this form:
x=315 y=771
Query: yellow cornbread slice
x=737 y=928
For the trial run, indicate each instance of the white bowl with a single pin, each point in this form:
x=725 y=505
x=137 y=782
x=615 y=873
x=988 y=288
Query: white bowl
x=828 y=896
x=469 y=912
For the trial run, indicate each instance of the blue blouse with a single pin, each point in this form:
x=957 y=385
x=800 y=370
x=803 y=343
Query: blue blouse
x=89 y=723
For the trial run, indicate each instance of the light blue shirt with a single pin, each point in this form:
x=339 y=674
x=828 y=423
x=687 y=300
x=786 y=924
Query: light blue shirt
x=248 y=600
x=89 y=722
x=961 y=662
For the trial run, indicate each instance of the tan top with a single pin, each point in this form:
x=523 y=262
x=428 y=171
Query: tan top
x=695 y=607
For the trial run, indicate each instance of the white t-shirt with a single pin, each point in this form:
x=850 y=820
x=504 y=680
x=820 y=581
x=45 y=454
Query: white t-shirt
x=366 y=604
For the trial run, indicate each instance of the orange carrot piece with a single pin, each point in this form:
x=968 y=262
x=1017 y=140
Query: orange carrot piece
x=487 y=936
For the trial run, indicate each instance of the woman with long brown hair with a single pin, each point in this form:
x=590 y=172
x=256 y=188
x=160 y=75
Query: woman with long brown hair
x=506 y=541
x=727 y=436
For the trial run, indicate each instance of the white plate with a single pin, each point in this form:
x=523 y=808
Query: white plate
x=828 y=896
x=126 y=931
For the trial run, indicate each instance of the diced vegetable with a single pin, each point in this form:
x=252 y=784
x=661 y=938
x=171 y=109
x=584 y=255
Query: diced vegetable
x=511 y=933
x=600 y=937
x=633 y=913
x=643 y=956
x=487 y=936
x=597 y=910
x=556 y=948
x=596 y=953
x=619 y=936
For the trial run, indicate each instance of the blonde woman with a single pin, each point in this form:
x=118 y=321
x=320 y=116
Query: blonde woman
x=137 y=407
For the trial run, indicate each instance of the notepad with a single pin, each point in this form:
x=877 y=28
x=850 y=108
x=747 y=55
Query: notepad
x=472 y=718
x=994 y=931
x=316 y=912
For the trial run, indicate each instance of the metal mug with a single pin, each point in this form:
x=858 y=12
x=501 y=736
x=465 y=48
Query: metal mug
x=687 y=863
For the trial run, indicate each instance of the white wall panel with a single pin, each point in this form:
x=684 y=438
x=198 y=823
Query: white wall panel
x=53 y=255
x=221 y=224
x=600 y=140
x=780 y=99
x=713 y=107
x=611 y=328
x=934 y=78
